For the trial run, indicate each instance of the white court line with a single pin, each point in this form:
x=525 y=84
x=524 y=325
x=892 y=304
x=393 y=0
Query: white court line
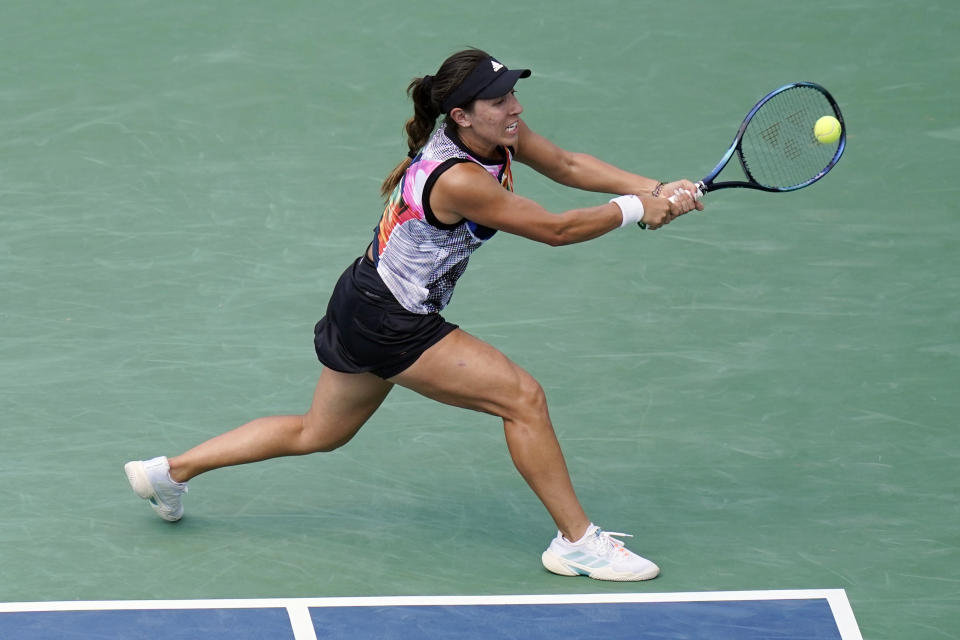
x=298 y=608
x=843 y=615
x=301 y=622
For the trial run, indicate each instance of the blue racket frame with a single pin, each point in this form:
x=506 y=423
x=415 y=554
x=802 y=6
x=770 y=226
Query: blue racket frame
x=707 y=183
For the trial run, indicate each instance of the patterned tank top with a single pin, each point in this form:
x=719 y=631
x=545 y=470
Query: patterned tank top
x=418 y=257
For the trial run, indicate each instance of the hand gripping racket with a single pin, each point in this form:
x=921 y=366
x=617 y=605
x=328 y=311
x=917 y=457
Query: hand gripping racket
x=775 y=146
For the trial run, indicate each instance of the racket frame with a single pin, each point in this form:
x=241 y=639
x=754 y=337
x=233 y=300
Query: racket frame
x=707 y=183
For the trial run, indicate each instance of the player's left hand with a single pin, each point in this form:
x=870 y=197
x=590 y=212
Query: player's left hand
x=672 y=188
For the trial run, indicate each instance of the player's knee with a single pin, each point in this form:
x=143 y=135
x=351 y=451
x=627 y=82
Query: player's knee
x=315 y=437
x=529 y=399
x=325 y=445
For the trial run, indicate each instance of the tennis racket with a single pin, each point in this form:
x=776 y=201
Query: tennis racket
x=775 y=146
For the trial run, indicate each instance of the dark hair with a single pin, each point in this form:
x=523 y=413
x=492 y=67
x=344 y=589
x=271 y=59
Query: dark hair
x=428 y=94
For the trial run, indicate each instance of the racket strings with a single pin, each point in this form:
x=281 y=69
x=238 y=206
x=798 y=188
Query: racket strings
x=778 y=148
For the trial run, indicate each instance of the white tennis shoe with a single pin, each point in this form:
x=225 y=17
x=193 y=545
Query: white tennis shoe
x=150 y=479
x=599 y=556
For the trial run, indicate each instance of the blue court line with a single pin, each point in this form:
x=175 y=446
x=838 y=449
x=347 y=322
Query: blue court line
x=744 y=615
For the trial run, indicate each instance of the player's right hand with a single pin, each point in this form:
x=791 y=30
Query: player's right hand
x=660 y=211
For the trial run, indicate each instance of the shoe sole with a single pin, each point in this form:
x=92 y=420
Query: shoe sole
x=140 y=483
x=555 y=564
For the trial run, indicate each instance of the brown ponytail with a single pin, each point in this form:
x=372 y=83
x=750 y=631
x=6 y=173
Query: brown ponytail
x=427 y=94
x=419 y=127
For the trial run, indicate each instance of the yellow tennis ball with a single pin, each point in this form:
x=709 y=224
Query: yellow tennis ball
x=827 y=130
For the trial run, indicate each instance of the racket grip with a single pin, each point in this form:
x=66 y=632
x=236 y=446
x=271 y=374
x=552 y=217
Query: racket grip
x=696 y=196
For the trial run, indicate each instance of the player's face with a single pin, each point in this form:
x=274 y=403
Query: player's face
x=491 y=123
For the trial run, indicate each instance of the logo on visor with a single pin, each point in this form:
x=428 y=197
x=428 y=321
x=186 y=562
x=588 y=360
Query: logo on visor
x=496 y=66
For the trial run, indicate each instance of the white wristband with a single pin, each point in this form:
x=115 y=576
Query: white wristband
x=631 y=207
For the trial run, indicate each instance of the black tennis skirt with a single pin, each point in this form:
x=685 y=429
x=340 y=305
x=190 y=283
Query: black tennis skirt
x=366 y=329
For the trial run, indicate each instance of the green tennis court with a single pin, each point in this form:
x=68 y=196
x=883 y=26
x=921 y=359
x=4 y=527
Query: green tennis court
x=764 y=394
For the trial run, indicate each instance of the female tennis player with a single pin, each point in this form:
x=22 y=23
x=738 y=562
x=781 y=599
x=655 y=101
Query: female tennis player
x=383 y=326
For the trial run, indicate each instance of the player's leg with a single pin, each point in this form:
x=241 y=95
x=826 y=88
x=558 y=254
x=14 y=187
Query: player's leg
x=342 y=403
x=463 y=371
x=466 y=372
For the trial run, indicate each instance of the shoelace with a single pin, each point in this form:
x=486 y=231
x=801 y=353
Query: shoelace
x=603 y=542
